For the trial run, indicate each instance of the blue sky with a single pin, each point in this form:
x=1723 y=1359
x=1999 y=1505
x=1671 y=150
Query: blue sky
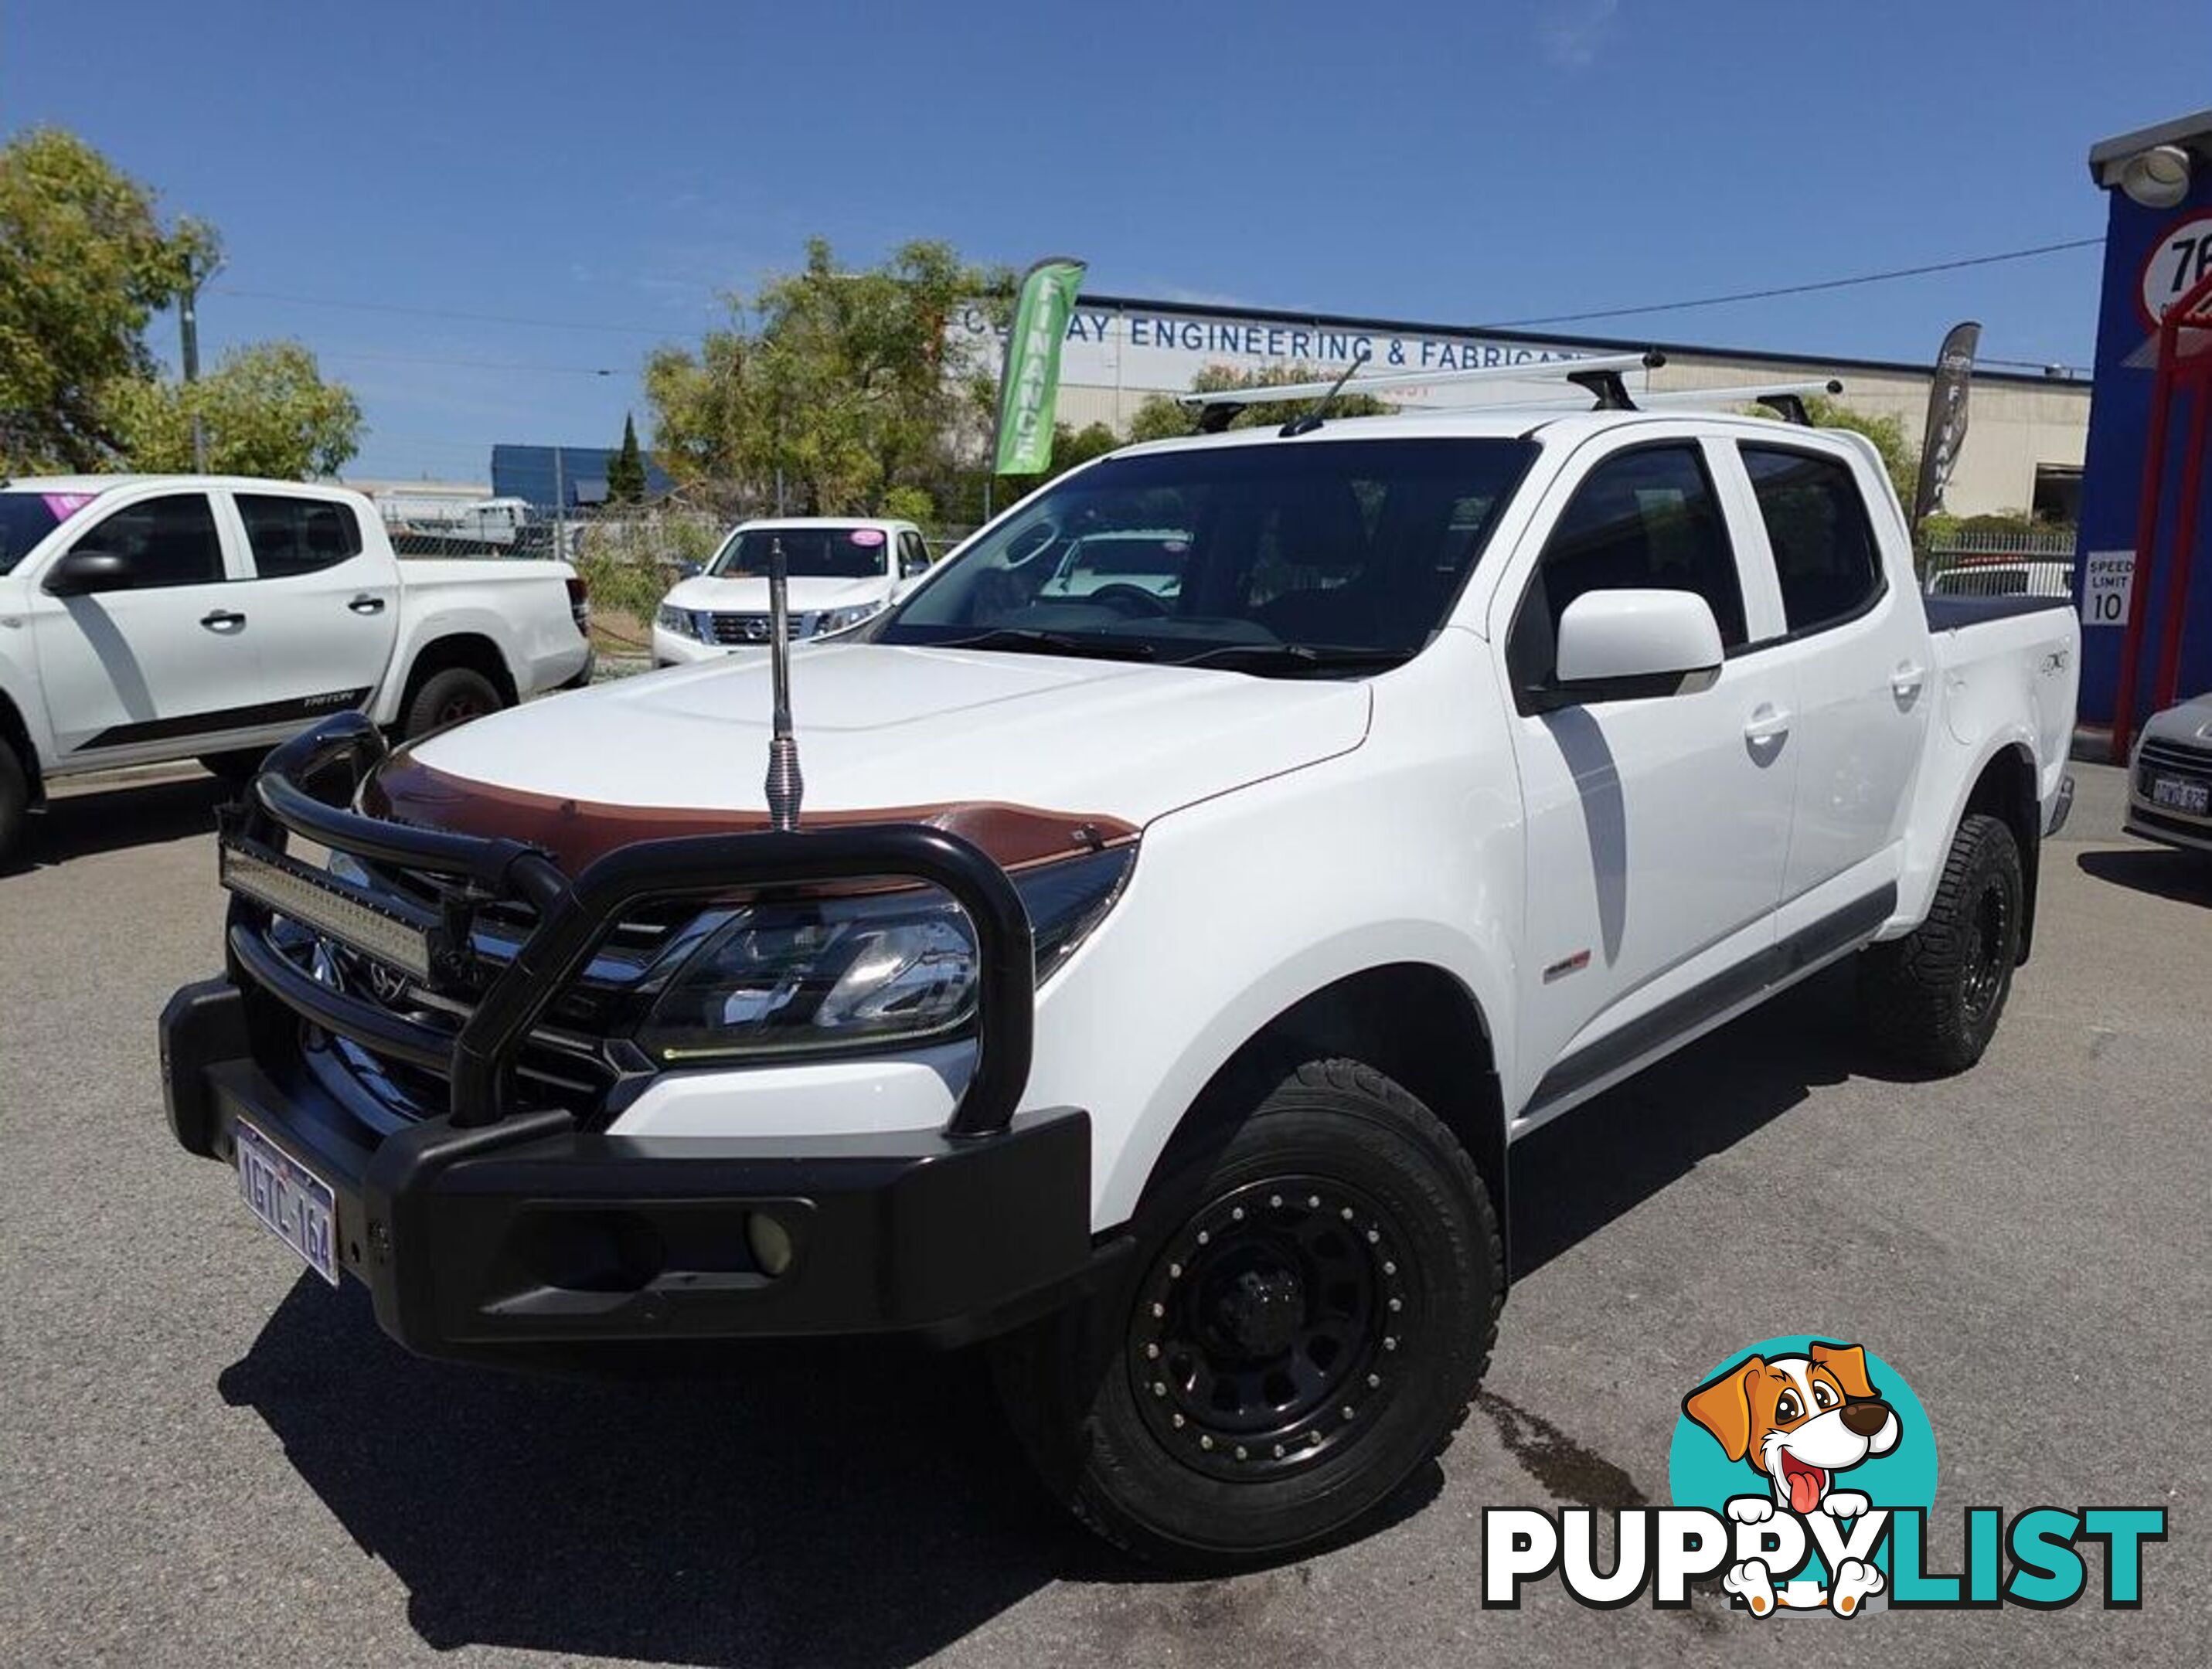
x=602 y=171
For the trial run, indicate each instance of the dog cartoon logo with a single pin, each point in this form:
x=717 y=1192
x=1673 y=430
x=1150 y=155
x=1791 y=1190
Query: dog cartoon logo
x=1800 y=1419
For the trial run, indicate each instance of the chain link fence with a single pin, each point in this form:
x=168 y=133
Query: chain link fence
x=1999 y=563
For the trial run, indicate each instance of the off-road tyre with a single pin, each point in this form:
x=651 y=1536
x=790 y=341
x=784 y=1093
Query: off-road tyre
x=1343 y=1213
x=1932 y=999
x=14 y=805
x=452 y=695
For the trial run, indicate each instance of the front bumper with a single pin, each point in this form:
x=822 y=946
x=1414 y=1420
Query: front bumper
x=530 y=1232
x=2167 y=755
x=501 y=1226
x=670 y=649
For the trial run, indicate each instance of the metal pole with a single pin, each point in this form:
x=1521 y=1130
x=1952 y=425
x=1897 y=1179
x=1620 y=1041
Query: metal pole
x=2165 y=684
x=2147 y=506
x=188 y=325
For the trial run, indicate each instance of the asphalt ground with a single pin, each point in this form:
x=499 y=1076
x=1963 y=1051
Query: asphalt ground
x=207 y=1457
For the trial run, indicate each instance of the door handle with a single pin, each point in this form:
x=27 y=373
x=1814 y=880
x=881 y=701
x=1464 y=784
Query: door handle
x=221 y=620
x=366 y=604
x=1905 y=683
x=1767 y=723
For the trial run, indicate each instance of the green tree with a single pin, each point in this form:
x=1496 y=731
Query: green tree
x=626 y=469
x=827 y=389
x=264 y=411
x=84 y=264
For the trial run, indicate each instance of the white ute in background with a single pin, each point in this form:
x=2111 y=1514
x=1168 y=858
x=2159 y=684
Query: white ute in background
x=147 y=618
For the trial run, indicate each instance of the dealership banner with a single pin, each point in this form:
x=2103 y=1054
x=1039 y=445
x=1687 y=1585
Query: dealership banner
x=1029 y=383
x=1947 y=417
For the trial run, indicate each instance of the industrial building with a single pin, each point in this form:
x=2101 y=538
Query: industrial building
x=2024 y=443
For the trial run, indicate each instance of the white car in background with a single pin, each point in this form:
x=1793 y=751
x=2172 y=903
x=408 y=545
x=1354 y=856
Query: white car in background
x=2170 y=777
x=843 y=569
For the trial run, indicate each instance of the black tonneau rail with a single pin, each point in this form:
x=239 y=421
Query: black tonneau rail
x=575 y=914
x=1948 y=611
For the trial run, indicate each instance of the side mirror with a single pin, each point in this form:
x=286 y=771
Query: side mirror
x=85 y=570
x=689 y=570
x=912 y=563
x=1617 y=645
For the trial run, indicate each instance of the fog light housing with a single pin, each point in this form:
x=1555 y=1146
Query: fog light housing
x=770 y=1242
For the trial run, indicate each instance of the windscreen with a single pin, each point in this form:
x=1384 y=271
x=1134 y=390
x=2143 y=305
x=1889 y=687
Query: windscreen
x=809 y=553
x=1277 y=558
x=27 y=518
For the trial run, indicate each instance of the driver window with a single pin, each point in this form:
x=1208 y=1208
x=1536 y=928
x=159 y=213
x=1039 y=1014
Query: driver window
x=1646 y=518
x=168 y=541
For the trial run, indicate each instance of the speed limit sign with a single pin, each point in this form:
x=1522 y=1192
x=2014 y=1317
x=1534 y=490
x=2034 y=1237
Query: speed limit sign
x=2108 y=578
x=2179 y=259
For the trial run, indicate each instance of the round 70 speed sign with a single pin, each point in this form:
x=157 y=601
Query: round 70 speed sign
x=2180 y=260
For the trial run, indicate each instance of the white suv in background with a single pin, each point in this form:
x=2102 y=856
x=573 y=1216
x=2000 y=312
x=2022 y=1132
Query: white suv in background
x=843 y=569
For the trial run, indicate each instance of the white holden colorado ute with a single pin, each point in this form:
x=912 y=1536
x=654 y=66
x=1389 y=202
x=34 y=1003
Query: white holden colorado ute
x=156 y=617
x=841 y=571
x=1154 y=985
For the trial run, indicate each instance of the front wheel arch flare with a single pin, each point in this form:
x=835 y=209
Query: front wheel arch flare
x=1413 y=1022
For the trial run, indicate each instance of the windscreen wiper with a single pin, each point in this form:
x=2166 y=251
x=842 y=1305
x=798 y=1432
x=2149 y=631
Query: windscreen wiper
x=1034 y=640
x=1295 y=657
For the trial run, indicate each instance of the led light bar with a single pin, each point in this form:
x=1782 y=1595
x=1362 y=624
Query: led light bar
x=327 y=906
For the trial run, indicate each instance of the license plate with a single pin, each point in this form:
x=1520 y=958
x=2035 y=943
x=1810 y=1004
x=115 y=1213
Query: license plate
x=2179 y=794
x=292 y=1202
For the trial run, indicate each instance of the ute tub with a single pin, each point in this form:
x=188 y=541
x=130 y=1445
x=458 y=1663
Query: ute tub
x=498 y=1225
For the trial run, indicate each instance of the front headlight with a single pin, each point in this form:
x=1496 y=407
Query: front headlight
x=838 y=620
x=807 y=975
x=681 y=621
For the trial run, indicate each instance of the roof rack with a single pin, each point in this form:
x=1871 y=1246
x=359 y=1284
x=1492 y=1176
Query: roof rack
x=1786 y=399
x=1602 y=374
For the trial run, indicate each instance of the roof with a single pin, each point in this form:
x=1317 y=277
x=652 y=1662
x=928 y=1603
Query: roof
x=2192 y=133
x=821 y=521
x=95 y=484
x=102 y=483
x=1595 y=344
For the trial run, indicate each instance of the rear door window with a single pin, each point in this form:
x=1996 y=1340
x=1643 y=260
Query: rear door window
x=1825 y=554
x=290 y=535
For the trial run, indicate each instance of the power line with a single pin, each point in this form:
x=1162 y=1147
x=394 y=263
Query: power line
x=1803 y=289
x=448 y=312
x=474 y=364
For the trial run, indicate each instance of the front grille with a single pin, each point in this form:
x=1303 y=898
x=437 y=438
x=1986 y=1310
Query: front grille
x=571 y=1058
x=2177 y=759
x=737 y=629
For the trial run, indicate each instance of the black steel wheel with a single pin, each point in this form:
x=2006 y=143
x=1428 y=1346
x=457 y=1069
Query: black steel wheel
x=1261 y=1334
x=1304 y=1328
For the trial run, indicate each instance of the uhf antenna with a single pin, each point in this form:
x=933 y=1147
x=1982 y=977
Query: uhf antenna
x=786 y=787
x=1313 y=419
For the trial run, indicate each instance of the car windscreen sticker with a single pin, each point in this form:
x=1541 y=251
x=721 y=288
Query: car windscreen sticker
x=65 y=505
x=867 y=536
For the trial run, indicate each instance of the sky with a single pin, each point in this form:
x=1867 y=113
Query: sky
x=483 y=216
